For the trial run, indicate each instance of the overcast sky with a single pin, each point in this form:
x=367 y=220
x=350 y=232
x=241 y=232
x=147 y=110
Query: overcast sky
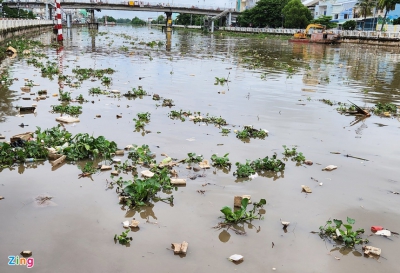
x=144 y=15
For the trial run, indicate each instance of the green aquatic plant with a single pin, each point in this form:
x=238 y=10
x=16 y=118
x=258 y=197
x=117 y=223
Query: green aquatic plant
x=244 y=170
x=123 y=239
x=250 y=132
x=241 y=215
x=88 y=168
x=141 y=155
x=193 y=158
x=67 y=109
x=220 y=81
x=136 y=93
x=221 y=161
x=385 y=107
x=343 y=233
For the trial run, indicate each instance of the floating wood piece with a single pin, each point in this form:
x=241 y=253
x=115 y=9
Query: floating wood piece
x=370 y=250
x=67 y=119
x=2 y=137
x=27 y=110
x=180 y=248
x=306 y=189
x=25 y=88
x=105 y=168
x=147 y=173
x=178 y=181
x=119 y=152
x=205 y=164
x=115 y=173
x=285 y=224
x=237 y=200
x=54 y=156
x=58 y=161
x=25 y=136
x=1 y=197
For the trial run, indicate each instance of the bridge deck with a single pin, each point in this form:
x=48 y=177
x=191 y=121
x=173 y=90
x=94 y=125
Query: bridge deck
x=124 y=5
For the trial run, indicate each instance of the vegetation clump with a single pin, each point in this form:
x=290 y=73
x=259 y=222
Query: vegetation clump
x=221 y=161
x=193 y=158
x=250 y=132
x=342 y=233
x=381 y=108
x=296 y=156
x=241 y=215
x=136 y=93
x=67 y=109
x=141 y=155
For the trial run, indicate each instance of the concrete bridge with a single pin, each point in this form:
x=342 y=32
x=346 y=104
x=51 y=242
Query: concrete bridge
x=124 y=5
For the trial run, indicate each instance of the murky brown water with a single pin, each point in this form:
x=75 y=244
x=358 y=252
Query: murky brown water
x=76 y=232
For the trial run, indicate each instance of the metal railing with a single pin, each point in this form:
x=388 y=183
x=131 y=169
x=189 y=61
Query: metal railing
x=165 y=4
x=7 y=24
x=343 y=33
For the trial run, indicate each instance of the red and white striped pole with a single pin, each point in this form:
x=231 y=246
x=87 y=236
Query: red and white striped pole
x=58 y=21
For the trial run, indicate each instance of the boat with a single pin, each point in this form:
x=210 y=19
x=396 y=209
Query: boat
x=323 y=37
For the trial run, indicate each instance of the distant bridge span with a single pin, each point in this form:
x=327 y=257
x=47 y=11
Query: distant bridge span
x=125 y=6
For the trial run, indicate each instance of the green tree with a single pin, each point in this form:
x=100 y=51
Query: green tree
x=189 y=19
x=296 y=15
x=365 y=8
x=264 y=13
x=350 y=25
x=396 y=21
x=325 y=21
x=160 y=20
x=387 y=5
x=138 y=21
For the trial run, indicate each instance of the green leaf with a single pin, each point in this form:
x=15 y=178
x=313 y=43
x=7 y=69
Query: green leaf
x=227 y=211
x=337 y=222
x=350 y=221
x=262 y=202
x=225 y=155
x=245 y=201
x=348 y=227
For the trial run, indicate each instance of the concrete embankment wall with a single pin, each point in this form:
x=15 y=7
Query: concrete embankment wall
x=15 y=28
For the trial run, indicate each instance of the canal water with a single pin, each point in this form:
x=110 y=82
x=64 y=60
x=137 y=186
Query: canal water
x=273 y=85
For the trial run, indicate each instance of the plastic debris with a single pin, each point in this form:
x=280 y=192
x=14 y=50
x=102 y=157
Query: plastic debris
x=116 y=160
x=147 y=173
x=236 y=258
x=370 y=250
x=1 y=197
x=330 y=168
x=10 y=49
x=285 y=224
x=125 y=224
x=67 y=119
x=383 y=232
x=115 y=173
x=25 y=136
x=2 y=137
x=134 y=223
x=166 y=160
x=253 y=176
x=180 y=248
x=129 y=147
x=25 y=88
x=306 y=189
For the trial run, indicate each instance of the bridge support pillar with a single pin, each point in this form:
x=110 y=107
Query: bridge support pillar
x=229 y=19
x=212 y=26
x=168 y=22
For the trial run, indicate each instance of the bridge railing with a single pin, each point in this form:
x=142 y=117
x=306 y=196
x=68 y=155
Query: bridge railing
x=343 y=33
x=6 y=24
x=130 y=3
